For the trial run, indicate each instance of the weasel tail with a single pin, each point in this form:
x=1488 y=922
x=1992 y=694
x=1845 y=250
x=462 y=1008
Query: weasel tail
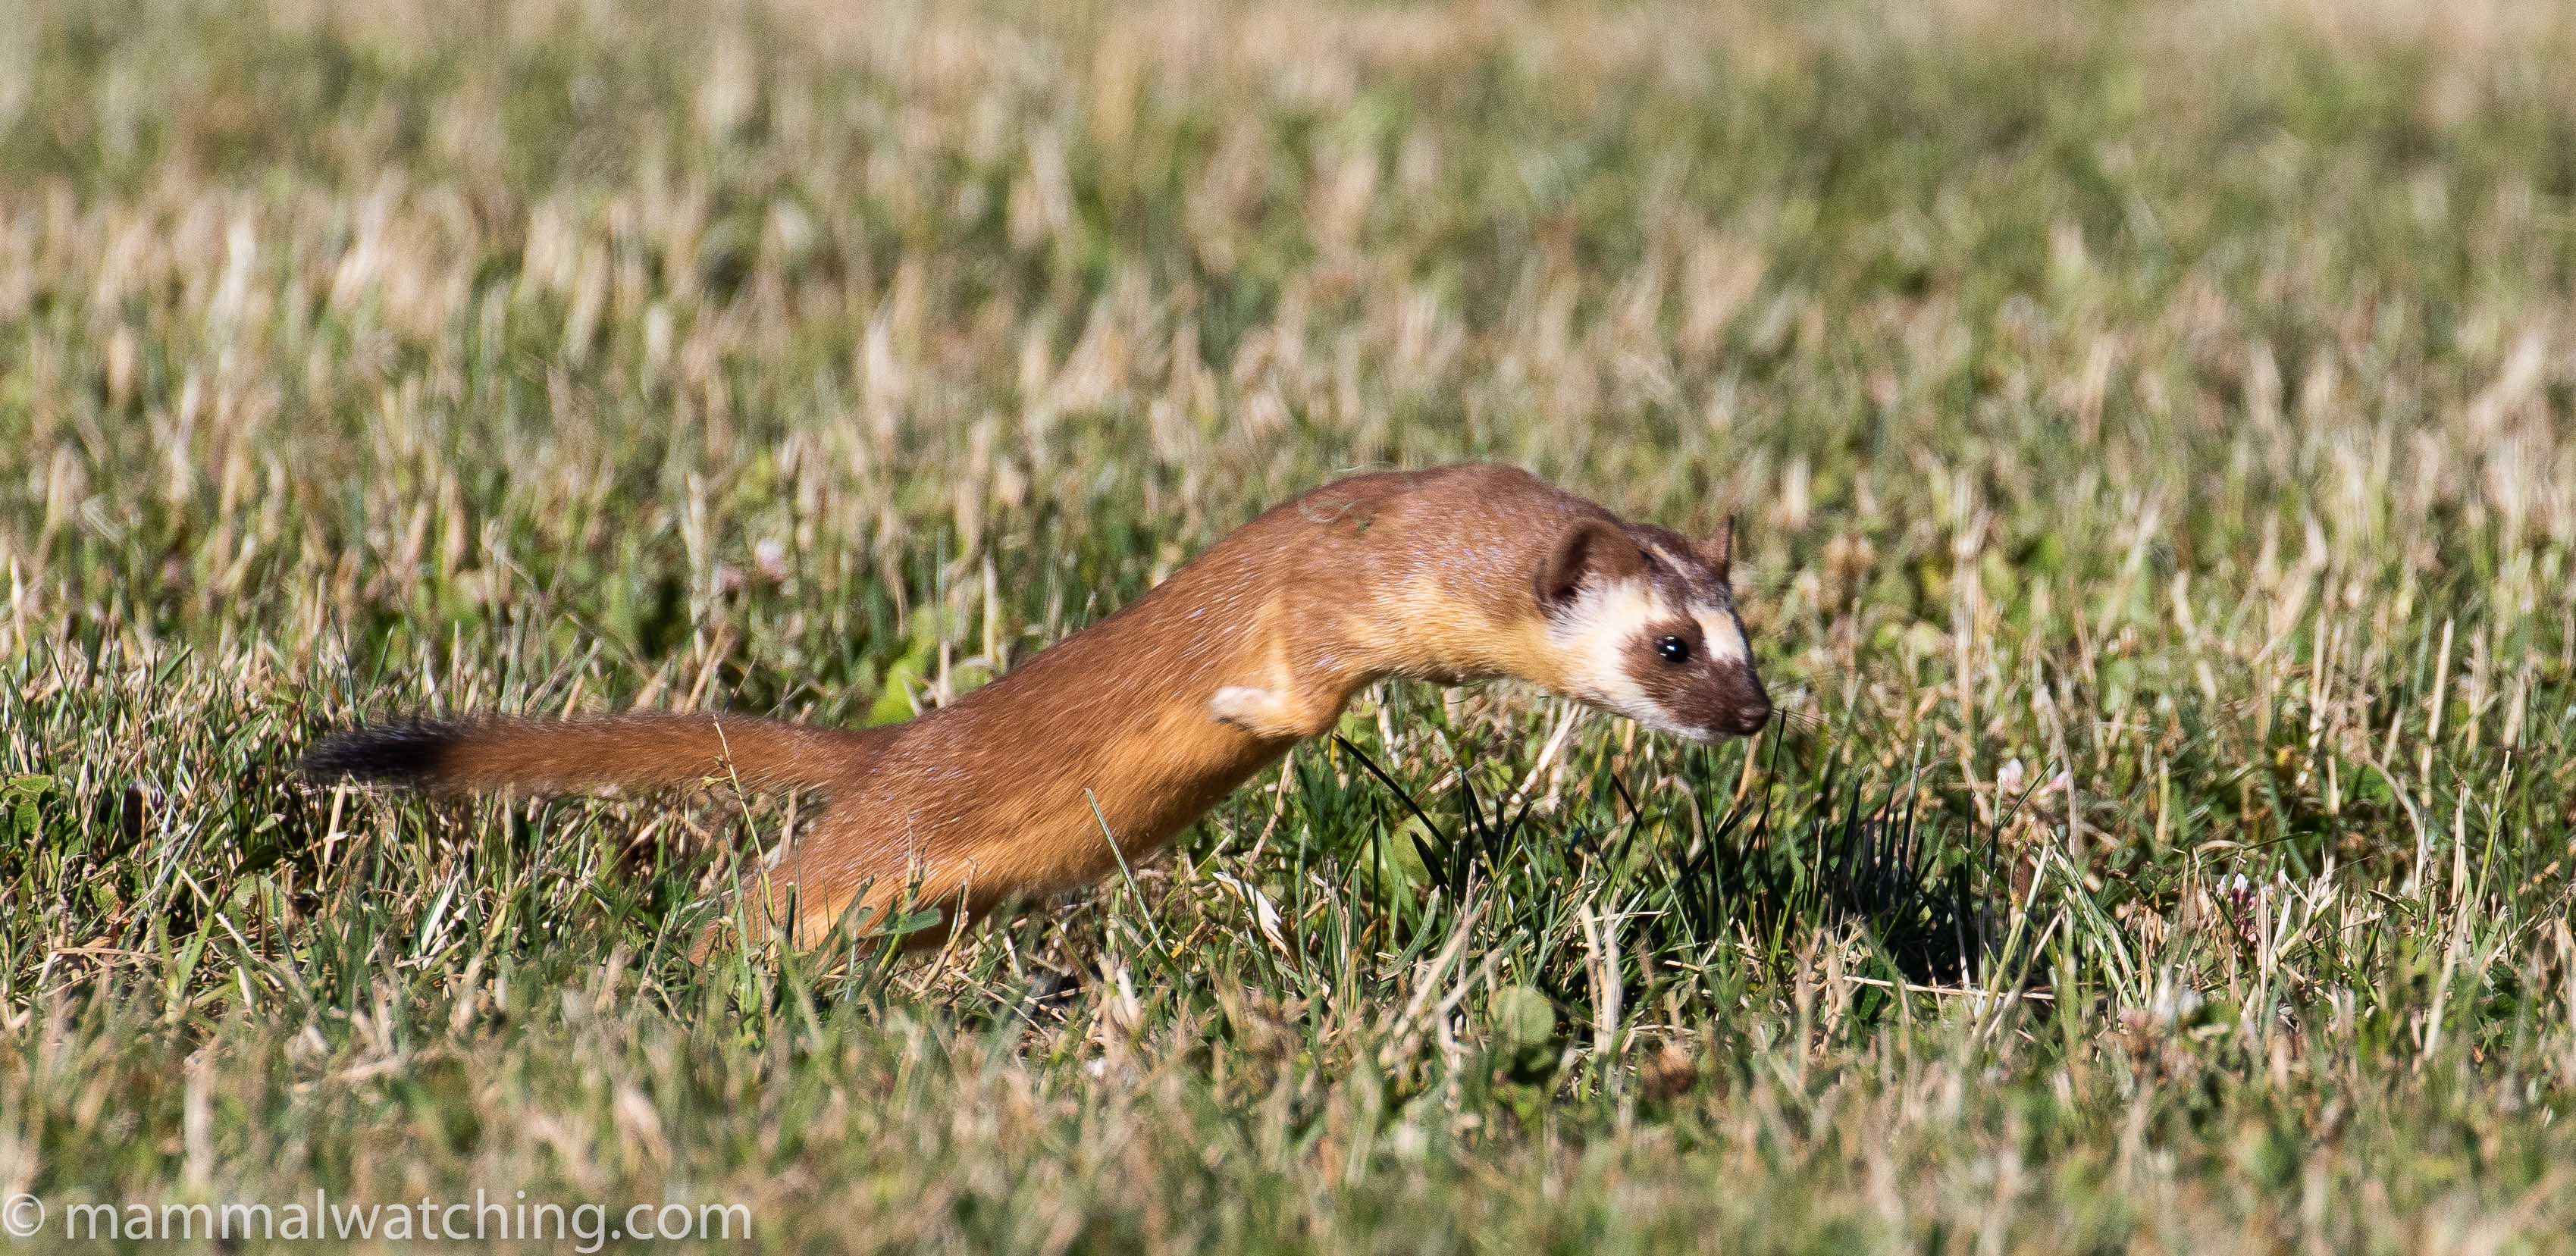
x=1133 y=727
x=600 y=752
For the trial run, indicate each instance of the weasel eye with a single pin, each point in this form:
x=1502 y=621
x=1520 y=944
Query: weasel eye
x=1674 y=650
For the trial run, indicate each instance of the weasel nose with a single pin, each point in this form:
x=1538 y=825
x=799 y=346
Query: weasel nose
x=1750 y=717
x=1752 y=710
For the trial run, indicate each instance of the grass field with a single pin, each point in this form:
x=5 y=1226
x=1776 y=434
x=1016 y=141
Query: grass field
x=2154 y=432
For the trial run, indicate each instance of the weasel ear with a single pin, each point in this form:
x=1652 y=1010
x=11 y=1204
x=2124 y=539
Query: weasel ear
x=1719 y=550
x=1588 y=550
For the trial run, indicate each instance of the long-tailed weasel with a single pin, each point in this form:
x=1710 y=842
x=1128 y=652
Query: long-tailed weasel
x=1155 y=713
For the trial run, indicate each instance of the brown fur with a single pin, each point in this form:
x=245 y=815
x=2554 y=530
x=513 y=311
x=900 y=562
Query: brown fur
x=1439 y=575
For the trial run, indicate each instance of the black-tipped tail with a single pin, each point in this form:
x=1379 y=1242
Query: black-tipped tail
x=407 y=754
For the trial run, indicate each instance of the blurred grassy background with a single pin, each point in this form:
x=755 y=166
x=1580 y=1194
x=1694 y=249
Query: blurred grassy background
x=2162 y=410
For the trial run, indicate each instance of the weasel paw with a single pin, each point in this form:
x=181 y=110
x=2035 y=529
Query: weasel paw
x=1256 y=711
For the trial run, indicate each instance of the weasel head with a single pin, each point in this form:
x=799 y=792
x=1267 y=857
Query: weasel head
x=1643 y=624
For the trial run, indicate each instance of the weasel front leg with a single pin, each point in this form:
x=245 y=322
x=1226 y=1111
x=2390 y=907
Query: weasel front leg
x=1269 y=713
x=1289 y=703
